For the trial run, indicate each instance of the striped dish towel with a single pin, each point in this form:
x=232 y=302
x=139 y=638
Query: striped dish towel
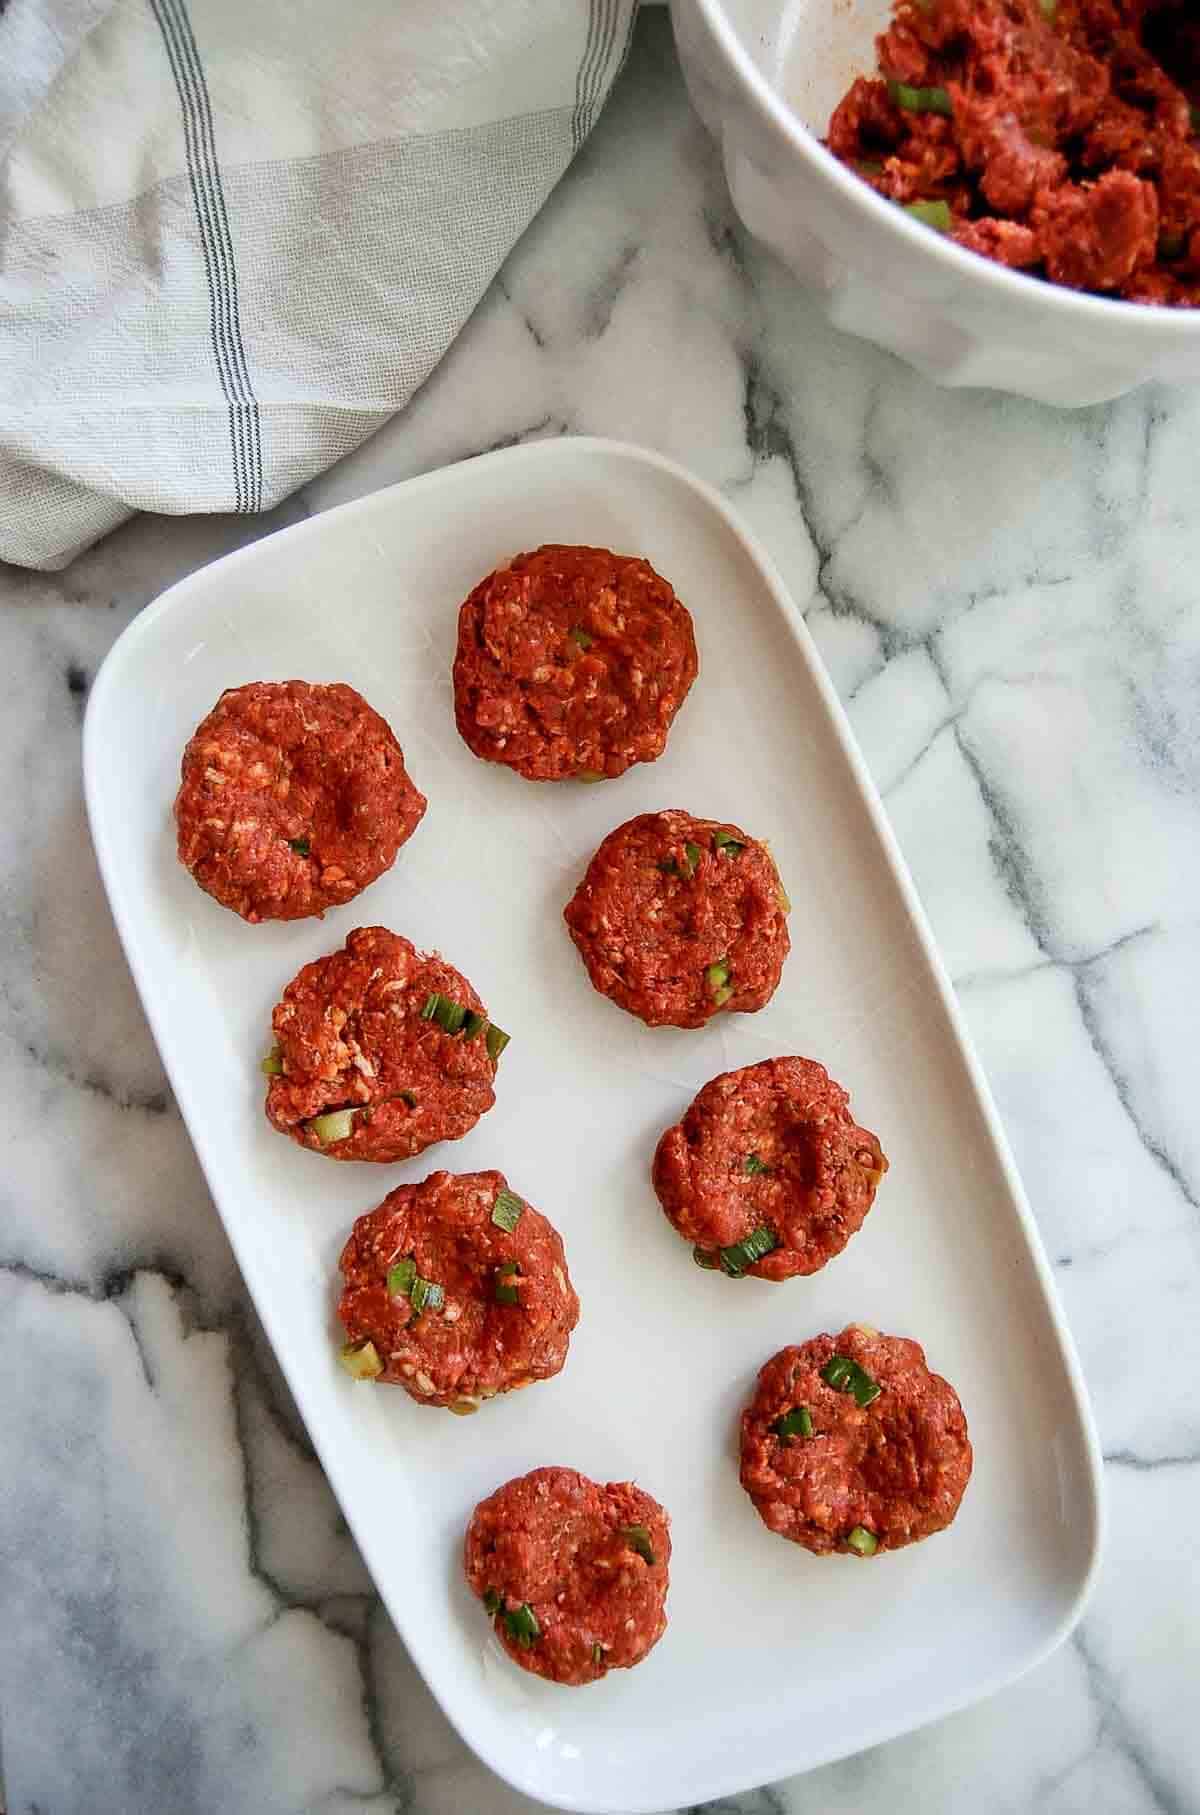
x=236 y=235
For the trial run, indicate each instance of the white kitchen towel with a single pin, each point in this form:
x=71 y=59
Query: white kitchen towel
x=236 y=235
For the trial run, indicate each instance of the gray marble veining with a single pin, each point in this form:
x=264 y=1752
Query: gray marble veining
x=1007 y=600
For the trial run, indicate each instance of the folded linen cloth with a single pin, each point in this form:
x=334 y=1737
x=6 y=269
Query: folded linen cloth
x=234 y=238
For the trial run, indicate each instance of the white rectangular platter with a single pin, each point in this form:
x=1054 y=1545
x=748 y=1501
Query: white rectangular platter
x=774 y=1660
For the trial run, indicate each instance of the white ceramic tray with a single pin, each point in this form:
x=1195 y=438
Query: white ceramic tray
x=774 y=1661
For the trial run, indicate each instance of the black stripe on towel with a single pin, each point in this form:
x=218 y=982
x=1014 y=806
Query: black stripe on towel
x=626 y=47
x=216 y=245
x=583 y=74
x=612 y=10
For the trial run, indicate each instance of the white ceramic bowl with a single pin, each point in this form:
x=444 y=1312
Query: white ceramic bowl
x=764 y=76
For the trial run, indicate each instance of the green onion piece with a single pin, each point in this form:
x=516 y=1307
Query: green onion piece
x=743 y=1254
x=920 y=100
x=361 y=1361
x=338 y=1125
x=522 y=1625
x=754 y=1165
x=1048 y=10
x=862 y=1541
x=727 y=844
x=684 y=866
x=868 y=167
x=722 y=995
x=503 y=1291
x=865 y=1390
x=718 y=974
x=492 y=1602
x=448 y=1014
x=704 y=1257
x=845 y=1376
x=1172 y=245
x=473 y=1024
x=301 y=846
x=580 y=638
x=506 y=1211
x=639 y=1540
x=400 y=1278
x=426 y=1295
x=931 y=214
x=796 y=1423
x=406 y=1096
x=588 y=775
x=272 y=1065
x=497 y=1040
x=597 y=1654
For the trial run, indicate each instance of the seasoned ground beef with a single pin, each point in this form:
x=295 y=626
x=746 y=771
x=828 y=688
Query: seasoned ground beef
x=768 y=1173
x=679 y=919
x=364 y=1066
x=1062 y=139
x=571 y=661
x=294 y=797
x=456 y=1289
x=573 y=1575
x=851 y=1444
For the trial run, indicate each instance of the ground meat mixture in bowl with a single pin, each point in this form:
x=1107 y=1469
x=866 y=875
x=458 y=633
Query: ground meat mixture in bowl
x=293 y=798
x=456 y=1289
x=768 y=1172
x=851 y=1444
x=1059 y=137
x=572 y=1574
x=380 y=1050
x=571 y=662
x=679 y=919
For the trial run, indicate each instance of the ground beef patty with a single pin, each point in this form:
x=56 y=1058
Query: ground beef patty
x=768 y=1173
x=680 y=918
x=850 y=1443
x=571 y=661
x=573 y=1574
x=380 y=1051
x=294 y=797
x=456 y=1289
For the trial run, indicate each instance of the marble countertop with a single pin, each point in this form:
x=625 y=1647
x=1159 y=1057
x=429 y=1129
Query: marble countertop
x=1007 y=600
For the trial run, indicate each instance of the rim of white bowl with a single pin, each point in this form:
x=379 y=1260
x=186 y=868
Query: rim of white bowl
x=1142 y=320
